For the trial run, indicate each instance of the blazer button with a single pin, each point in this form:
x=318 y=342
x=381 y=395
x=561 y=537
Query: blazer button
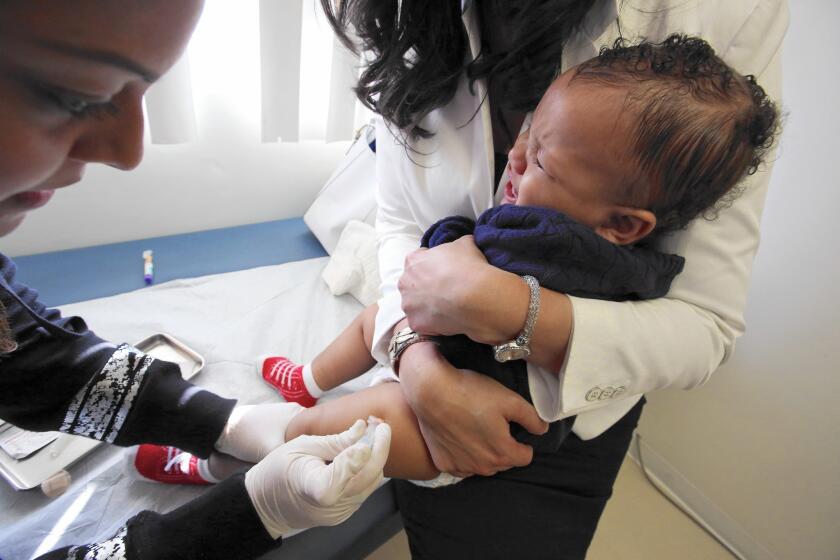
x=593 y=394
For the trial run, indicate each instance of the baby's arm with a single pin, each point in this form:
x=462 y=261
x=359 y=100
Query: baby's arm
x=409 y=458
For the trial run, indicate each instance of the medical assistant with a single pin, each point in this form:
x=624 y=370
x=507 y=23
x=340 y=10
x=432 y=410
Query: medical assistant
x=618 y=350
x=63 y=377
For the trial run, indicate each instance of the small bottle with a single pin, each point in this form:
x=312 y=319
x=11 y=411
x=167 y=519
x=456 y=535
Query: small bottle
x=57 y=484
x=148 y=267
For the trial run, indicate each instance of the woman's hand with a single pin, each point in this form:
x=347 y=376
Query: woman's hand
x=464 y=416
x=451 y=289
x=317 y=480
x=245 y=437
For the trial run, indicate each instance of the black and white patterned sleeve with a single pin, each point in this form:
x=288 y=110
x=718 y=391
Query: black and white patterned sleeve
x=120 y=395
x=134 y=398
x=100 y=408
x=111 y=549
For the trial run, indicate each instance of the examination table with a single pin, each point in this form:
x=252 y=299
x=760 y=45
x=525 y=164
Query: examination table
x=230 y=294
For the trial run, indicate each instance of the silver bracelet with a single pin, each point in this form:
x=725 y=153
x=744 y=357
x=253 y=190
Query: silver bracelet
x=519 y=348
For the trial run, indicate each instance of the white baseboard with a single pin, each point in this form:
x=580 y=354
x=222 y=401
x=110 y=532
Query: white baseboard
x=695 y=504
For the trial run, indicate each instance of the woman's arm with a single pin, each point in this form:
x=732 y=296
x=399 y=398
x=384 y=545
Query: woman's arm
x=63 y=377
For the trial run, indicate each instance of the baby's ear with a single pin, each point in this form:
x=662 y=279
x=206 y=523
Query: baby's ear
x=627 y=225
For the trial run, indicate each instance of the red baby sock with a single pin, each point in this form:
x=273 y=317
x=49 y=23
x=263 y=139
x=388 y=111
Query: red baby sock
x=291 y=380
x=170 y=465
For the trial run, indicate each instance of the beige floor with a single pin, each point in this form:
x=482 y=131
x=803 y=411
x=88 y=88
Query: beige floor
x=638 y=524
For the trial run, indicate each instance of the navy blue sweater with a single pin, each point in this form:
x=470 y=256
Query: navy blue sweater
x=564 y=256
x=63 y=377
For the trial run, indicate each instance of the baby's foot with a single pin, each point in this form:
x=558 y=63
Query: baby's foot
x=287 y=377
x=169 y=465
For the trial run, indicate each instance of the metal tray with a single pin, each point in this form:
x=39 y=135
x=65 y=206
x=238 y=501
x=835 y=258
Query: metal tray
x=169 y=349
x=67 y=449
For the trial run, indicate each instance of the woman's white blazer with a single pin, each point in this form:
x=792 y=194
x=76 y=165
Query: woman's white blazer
x=618 y=350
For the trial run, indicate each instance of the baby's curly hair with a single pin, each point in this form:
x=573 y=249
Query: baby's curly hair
x=700 y=126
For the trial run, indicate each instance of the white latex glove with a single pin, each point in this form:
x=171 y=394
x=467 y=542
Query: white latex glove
x=255 y=430
x=295 y=488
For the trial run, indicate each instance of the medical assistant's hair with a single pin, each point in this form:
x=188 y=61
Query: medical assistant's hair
x=417 y=56
x=698 y=126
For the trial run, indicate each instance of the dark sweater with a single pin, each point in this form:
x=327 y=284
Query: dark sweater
x=63 y=377
x=564 y=256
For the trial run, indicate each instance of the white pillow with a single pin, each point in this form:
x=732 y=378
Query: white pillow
x=354 y=266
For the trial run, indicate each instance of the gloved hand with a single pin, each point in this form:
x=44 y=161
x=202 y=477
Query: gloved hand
x=255 y=430
x=295 y=488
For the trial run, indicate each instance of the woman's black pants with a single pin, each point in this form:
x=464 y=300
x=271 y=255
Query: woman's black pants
x=548 y=509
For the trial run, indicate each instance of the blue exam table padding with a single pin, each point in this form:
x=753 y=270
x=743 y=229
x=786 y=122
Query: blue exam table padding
x=75 y=275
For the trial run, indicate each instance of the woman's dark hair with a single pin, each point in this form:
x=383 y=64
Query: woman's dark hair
x=418 y=55
x=699 y=126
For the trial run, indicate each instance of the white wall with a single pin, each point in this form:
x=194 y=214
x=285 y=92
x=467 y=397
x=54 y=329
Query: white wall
x=180 y=188
x=760 y=441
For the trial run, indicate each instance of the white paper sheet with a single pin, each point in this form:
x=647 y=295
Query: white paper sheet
x=20 y=444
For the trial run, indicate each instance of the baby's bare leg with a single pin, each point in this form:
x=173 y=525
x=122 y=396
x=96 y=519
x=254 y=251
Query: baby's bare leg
x=348 y=356
x=409 y=458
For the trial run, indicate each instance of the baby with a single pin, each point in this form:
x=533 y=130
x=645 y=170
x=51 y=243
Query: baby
x=623 y=148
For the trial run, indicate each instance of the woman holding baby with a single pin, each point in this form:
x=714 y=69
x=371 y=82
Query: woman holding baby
x=453 y=88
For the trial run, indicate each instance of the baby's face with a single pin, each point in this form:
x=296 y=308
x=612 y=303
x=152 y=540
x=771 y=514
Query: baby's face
x=572 y=159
